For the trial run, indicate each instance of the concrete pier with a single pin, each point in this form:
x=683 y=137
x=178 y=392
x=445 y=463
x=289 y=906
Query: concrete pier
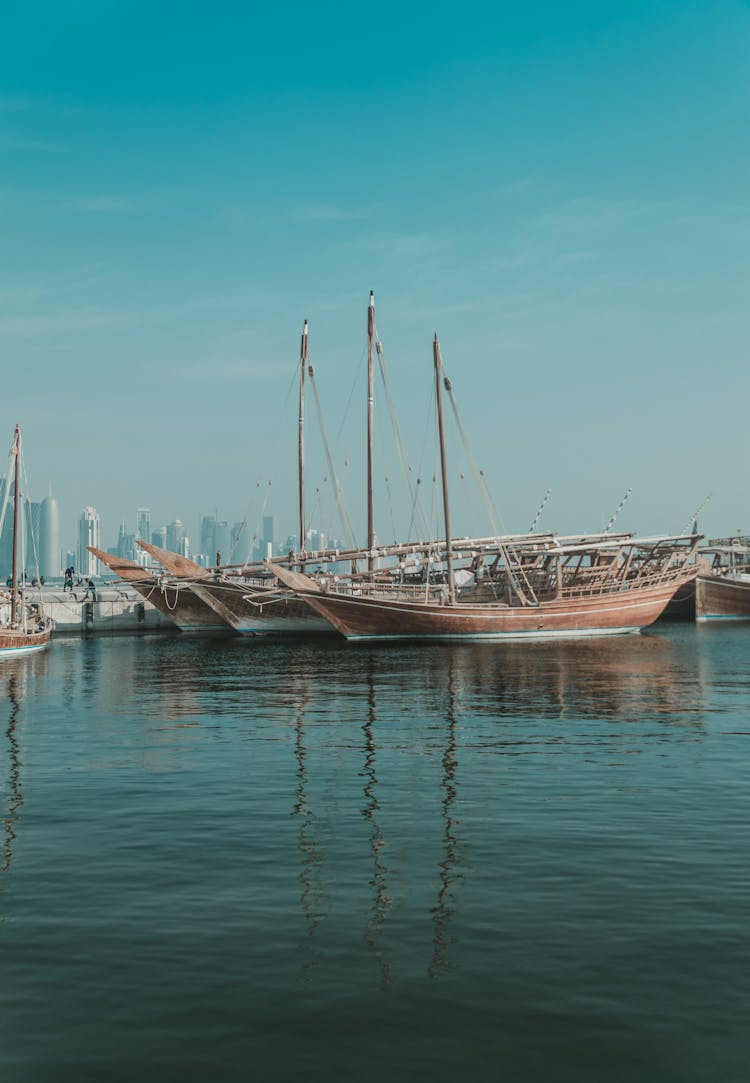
x=115 y=609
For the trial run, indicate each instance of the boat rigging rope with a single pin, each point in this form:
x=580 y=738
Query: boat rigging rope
x=617 y=510
x=256 y=532
x=6 y=492
x=539 y=511
x=489 y=507
x=406 y=470
x=514 y=568
x=345 y=521
x=390 y=508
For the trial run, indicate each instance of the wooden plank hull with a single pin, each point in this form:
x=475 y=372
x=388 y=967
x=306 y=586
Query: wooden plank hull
x=721 y=598
x=682 y=605
x=13 y=643
x=257 y=611
x=373 y=617
x=175 y=600
x=181 y=605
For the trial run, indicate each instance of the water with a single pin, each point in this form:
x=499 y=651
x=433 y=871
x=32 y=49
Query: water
x=225 y=860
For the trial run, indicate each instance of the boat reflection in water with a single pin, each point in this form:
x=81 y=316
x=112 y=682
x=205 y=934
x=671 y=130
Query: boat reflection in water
x=449 y=873
x=440 y=719
x=382 y=901
x=16 y=675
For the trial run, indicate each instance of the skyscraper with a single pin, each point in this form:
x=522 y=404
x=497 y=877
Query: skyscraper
x=208 y=539
x=269 y=535
x=89 y=533
x=49 y=538
x=177 y=539
x=143 y=524
x=222 y=542
x=126 y=543
x=32 y=527
x=159 y=537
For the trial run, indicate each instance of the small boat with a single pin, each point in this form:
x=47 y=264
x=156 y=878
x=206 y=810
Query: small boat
x=27 y=628
x=722 y=590
x=526 y=589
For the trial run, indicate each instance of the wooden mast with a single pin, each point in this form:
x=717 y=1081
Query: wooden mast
x=302 y=362
x=444 y=471
x=370 y=426
x=14 y=572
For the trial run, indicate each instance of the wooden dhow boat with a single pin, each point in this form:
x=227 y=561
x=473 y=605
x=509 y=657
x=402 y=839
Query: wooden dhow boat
x=171 y=595
x=722 y=588
x=249 y=602
x=528 y=589
x=585 y=589
x=27 y=629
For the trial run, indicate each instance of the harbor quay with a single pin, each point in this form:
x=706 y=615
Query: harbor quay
x=112 y=608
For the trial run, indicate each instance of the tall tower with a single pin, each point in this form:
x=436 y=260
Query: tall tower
x=269 y=535
x=89 y=533
x=49 y=538
x=143 y=524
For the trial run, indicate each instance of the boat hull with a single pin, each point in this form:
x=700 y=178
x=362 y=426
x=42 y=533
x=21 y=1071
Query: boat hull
x=615 y=613
x=255 y=611
x=179 y=604
x=14 y=643
x=721 y=598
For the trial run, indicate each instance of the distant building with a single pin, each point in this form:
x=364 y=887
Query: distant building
x=315 y=540
x=32 y=538
x=222 y=542
x=50 y=564
x=89 y=533
x=159 y=537
x=176 y=537
x=240 y=541
x=207 y=551
x=269 y=535
x=143 y=524
x=126 y=544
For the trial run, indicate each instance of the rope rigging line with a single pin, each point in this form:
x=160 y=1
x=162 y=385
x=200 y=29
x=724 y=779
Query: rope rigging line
x=690 y=525
x=515 y=570
x=617 y=511
x=390 y=404
x=479 y=478
x=344 y=517
x=390 y=508
x=539 y=511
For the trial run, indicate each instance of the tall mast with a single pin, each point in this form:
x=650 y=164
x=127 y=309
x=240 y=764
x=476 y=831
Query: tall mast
x=370 y=426
x=302 y=362
x=444 y=471
x=14 y=573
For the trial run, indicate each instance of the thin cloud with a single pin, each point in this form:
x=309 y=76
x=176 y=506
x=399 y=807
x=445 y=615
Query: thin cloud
x=104 y=205
x=230 y=371
x=329 y=213
x=14 y=143
x=402 y=244
x=587 y=214
x=53 y=324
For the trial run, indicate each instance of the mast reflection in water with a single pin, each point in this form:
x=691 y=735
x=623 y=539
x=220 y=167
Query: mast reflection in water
x=407 y=862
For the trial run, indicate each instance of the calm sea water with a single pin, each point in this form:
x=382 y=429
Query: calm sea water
x=225 y=860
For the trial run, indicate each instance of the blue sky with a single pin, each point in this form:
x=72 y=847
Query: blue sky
x=559 y=190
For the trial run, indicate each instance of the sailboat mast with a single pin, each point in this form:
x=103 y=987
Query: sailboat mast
x=14 y=572
x=302 y=363
x=370 y=427
x=444 y=471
